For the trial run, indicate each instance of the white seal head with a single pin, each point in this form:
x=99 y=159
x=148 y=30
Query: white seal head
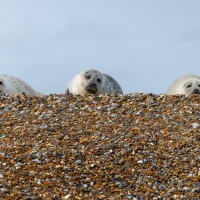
x=91 y=81
x=186 y=84
x=13 y=85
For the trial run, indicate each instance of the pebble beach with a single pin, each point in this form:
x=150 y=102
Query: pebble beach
x=135 y=146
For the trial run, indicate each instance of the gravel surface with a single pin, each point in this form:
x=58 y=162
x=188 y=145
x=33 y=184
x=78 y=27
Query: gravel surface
x=137 y=146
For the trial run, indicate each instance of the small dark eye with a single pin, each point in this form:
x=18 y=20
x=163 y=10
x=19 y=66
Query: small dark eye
x=88 y=77
x=99 y=80
x=190 y=85
x=1 y=82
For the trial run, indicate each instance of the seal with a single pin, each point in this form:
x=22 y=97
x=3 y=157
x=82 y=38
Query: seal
x=186 y=84
x=13 y=85
x=91 y=81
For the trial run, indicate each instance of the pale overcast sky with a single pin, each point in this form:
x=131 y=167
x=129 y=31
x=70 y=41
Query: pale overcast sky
x=143 y=44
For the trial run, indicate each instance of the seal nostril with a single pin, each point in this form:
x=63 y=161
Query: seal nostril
x=93 y=85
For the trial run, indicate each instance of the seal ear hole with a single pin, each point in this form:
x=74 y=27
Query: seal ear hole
x=88 y=77
x=99 y=80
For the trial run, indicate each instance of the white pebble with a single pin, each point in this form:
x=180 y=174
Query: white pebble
x=195 y=125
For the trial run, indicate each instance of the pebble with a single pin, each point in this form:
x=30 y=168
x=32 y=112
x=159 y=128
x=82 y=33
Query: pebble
x=135 y=146
x=78 y=162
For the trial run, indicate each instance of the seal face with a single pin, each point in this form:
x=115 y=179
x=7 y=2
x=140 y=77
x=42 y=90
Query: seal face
x=192 y=87
x=91 y=81
x=13 y=85
x=187 y=84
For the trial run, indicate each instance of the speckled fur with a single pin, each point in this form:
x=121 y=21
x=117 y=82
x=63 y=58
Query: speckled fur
x=97 y=83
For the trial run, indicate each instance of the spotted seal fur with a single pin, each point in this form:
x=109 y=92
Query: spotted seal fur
x=91 y=81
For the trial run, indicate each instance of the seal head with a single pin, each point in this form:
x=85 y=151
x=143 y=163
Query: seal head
x=192 y=86
x=92 y=81
x=186 y=84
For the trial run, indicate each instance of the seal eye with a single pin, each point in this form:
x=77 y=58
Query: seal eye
x=99 y=80
x=1 y=83
x=88 y=77
x=190 y=85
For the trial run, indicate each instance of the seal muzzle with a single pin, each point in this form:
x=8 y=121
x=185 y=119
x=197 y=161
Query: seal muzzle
x=92 y=88
x=196 y=91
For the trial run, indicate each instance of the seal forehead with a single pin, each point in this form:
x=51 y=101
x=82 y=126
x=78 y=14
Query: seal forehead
x=91 y=71
x=92 y=74
x=192 y=82
x=187 y=83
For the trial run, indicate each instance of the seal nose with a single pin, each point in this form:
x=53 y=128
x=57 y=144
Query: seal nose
x=93 y=85
x=196 y=91
x=92 y=88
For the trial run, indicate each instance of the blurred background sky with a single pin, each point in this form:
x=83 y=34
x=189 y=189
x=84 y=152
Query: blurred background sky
x=143 y=44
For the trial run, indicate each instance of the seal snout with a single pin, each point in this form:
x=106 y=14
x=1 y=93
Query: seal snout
x=196 y=91
x=93 y=85
x=92 y=88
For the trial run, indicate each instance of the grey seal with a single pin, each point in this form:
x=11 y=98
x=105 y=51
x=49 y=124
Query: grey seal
x=186 y=84
x=13 y=85
x=91 y=81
